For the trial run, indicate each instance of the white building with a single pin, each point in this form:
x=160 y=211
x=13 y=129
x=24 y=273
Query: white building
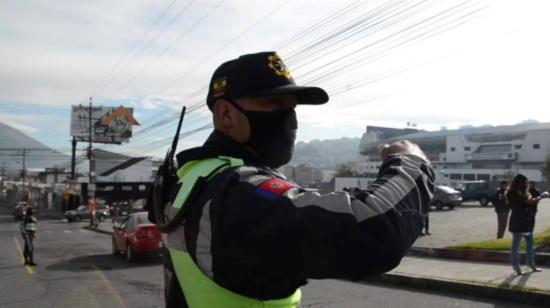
x=479 y=153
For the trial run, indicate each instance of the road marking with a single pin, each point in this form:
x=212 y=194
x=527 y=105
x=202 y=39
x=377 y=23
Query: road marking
x=66 y=231
x=29 y=269
x=109 y=286
x=84 y=231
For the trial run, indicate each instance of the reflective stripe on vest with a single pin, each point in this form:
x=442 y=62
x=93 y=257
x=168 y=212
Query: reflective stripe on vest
x=30 y=226
x=199 y=290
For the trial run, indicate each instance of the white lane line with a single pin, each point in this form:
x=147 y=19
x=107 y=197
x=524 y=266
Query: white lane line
x=66 y=231
x=84 y=231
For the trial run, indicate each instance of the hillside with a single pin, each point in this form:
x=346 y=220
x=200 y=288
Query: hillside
x=326 y=153
x=37 y=155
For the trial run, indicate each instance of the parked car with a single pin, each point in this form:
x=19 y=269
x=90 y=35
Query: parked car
x=19 y=210
x=445 y=196
x=136 y=235
x=477 y=190
x=82 y=212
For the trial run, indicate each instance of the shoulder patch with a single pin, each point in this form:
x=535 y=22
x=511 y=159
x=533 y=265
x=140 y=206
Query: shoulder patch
x=273 y=188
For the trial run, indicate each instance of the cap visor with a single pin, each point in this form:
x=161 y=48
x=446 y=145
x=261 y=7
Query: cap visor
x=304 y=95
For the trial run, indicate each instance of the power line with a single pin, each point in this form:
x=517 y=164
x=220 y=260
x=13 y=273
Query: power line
x=144 y=34
x=144 y=68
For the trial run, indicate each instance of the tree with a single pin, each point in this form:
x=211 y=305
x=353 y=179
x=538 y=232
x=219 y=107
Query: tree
x=545 y=168
x=344 y=170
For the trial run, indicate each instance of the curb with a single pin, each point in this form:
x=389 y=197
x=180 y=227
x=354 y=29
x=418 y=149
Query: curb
x=98 y=230
x=474 y=289
x=491 y=256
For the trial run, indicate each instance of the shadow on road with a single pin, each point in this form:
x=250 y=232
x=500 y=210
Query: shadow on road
x=511 y=282
x=105 y=262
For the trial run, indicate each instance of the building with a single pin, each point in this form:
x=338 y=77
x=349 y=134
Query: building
x=303 y=174
x=477 y=153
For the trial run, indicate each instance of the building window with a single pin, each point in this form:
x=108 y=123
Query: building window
x=484 y=177
x=469 y=176
x=453 y=149
x=536 y=146
x=517 y=146
x=456 y=176
x=467 y=148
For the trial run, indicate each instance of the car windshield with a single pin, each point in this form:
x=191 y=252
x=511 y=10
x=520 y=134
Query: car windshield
x=143 y=218
x=81 y=208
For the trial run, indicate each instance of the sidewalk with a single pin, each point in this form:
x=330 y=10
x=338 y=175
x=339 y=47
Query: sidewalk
x=473 y=278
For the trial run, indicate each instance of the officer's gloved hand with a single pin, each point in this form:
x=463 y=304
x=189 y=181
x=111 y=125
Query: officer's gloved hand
x=401 y=147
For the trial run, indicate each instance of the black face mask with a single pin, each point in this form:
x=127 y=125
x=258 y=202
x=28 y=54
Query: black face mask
x=272 y=134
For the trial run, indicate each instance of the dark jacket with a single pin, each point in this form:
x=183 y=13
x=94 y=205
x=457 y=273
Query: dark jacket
x=267 y=235
x=501 y=203
x=523 y=214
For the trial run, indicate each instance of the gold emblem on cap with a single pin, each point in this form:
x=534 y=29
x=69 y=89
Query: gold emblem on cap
x=276 y=64
x=218 y=87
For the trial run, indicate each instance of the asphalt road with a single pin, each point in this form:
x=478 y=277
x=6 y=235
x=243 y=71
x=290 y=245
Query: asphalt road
x=76 y=269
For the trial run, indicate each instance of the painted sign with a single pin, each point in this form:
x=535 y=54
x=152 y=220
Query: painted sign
x=109 y=124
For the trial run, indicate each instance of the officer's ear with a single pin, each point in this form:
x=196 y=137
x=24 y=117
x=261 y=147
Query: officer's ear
x=223 y=115
x=228 y=119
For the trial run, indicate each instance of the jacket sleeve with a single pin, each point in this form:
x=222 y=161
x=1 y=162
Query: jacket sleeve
x=303 y=234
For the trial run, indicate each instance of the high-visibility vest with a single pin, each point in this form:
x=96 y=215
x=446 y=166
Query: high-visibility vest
x=199 y=290
x=30 y=226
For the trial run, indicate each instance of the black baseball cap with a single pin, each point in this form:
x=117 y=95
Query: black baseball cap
x=257 y=75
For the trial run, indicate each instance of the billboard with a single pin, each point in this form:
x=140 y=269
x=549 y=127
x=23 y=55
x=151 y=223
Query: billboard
x=109 y=124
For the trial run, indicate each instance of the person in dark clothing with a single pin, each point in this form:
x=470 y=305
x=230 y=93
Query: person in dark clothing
x=535 y=193
x=28 y=230
x=522 y=220
x=249 y=237
x=502 y=208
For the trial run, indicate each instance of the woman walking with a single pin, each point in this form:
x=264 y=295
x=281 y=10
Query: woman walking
x=522 y=220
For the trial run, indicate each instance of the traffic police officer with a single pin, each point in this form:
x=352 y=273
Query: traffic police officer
x=242 y=235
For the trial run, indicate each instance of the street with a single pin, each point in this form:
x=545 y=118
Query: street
x=76 y=269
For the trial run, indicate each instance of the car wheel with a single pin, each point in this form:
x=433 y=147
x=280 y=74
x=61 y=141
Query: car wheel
x=484 y=201
x=77 y=218
x=115 y=249
x=451 y=207
x=101 y=218
x=129 y=253
x=439 y=205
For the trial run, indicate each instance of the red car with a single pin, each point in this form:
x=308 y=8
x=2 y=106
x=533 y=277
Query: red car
x=136 y=235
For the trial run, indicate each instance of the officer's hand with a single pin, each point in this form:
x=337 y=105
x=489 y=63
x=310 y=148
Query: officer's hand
x=401 y=147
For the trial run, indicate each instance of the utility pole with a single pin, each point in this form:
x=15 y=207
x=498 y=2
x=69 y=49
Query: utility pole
x=73 y=159
x=91 y=178
x=23 y=171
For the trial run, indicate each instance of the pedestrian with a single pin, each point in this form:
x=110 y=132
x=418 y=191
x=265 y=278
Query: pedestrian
x=502 y=208
x=239 y=234
x=426 y=229
x=28 y=230
x=522 y=220
x=533 y=189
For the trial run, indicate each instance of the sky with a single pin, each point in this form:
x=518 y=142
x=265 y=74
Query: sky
x=434 y=63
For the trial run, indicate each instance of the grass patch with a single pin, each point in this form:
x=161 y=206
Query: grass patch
x=541 y=239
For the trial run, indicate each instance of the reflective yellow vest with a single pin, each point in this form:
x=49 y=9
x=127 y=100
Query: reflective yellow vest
x=199 y=290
